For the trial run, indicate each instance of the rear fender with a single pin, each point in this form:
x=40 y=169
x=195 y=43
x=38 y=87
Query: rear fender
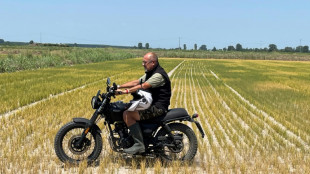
x=87 y=123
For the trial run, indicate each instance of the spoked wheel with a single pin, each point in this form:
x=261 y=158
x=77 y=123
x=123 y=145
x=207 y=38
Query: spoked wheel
x=67 y=148
x=185 y=146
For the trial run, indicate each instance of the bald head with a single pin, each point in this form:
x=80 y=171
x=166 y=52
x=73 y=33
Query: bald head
x=150 y=61
x=151 y=57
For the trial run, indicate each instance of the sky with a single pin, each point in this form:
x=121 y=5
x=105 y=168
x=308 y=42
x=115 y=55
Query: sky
x=161 y=23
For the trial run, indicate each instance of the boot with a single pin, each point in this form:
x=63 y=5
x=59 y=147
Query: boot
x=137 y=136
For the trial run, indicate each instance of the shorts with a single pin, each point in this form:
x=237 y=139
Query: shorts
x=151 y=112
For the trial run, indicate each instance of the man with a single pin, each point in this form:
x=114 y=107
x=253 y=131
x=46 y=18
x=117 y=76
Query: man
x=157 y=82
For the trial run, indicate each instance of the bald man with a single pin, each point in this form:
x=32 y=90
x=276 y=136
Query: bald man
x=157 y=82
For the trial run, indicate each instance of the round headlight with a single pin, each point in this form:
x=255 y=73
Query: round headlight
x=95 y=102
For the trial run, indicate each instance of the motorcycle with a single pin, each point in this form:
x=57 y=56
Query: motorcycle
x=165 y=137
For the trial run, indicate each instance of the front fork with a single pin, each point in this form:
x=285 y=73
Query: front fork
x=90 y=124
x=87 y=128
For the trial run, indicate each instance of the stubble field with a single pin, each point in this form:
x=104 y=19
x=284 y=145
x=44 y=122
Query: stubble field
x=255 y=115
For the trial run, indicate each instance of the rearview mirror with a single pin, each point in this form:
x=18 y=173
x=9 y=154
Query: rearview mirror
x=108 y=81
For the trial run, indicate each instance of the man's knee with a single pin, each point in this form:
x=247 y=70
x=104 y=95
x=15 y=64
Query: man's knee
x=125 y=115
x=130 y=115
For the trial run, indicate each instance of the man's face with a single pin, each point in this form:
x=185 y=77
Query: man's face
x=147 y=63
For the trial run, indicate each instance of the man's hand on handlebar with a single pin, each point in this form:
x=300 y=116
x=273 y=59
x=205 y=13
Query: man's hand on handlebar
x=118 y=92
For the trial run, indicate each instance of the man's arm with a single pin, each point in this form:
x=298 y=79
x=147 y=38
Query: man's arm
x=129 y=84
x=155 y=81
x=145 y=85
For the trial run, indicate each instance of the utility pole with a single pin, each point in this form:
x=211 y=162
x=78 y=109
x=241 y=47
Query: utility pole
x=300 y=45
x=179 y=43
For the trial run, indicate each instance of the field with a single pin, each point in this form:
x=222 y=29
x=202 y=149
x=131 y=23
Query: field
x=20 y=58
x=255 y=114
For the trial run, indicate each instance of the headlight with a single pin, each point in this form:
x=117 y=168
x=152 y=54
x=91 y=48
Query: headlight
x=95 y=102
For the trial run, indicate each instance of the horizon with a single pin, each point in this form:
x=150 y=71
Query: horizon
x=162 y=24
x=108 y=45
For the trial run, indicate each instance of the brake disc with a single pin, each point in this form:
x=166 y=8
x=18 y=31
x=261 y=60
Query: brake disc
x=78 y=150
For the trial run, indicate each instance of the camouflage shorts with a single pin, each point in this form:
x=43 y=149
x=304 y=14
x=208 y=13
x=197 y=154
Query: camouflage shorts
x=151 y=112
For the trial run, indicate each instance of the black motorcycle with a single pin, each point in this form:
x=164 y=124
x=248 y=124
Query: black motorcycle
x=165 y=137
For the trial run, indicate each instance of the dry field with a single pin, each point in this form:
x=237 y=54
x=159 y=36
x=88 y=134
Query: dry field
x=255 y=115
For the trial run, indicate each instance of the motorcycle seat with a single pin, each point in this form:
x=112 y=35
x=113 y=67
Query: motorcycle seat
x=171 y=115
x=175 y=114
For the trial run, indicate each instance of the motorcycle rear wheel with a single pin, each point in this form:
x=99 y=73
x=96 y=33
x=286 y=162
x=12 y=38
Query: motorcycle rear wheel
x=186 y=148
x=66 y=150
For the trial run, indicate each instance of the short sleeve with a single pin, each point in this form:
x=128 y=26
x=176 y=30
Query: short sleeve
x=143 y=78
x=156 y=80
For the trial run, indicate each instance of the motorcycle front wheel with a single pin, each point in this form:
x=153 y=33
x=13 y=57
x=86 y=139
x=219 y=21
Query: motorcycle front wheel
x=185 y=147
x=66 y=147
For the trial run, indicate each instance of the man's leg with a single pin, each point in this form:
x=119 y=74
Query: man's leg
x=131 y=118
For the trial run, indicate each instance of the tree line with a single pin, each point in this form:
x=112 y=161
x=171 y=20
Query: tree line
x=238 y=47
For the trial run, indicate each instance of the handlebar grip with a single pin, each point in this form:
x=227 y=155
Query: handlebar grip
x=114 y=86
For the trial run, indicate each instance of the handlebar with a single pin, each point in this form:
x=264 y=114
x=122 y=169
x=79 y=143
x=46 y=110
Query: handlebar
x=111 y=89
x=114 y=86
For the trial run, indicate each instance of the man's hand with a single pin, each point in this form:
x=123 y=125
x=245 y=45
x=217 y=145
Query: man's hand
x=118 y=92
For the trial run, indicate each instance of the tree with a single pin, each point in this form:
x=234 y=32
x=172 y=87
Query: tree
x=195 y=47
x=140 y=45
x=1 y=41
x=231 y=48
x=214 y=49
x=272 y=47
x=288 y=49
x=238 y=47
x=299 y=49
x=147 y=46
x=184 y=46
x=31 y=42
x=203 y=47
x=305 y=49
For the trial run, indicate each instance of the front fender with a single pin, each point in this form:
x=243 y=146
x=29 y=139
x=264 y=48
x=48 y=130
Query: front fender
x=88 y=123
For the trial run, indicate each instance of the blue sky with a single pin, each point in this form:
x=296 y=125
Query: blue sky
x=252 y=23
